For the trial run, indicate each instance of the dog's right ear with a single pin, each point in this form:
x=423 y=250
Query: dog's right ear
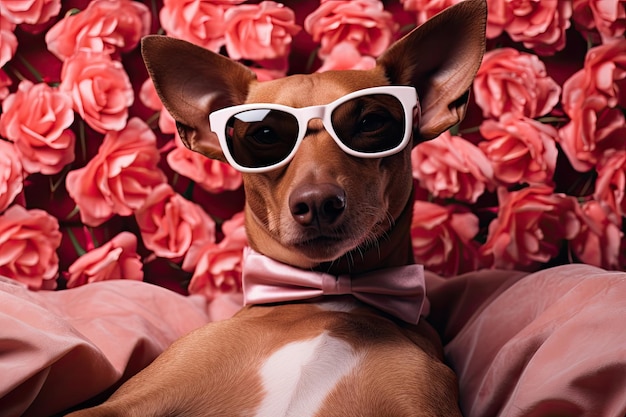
x=440 y=59
x=192 y=82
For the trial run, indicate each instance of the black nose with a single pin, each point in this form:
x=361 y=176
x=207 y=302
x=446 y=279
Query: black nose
x=318 y=205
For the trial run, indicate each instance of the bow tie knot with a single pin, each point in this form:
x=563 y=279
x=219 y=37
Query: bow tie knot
x=336 y=285
x=398 y=291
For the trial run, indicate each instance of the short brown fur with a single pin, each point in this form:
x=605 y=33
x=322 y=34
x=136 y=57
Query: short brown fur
x=214 y=370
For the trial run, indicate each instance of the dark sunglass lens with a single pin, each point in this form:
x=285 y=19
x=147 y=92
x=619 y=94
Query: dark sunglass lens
x=261 y=137
x=369 y=124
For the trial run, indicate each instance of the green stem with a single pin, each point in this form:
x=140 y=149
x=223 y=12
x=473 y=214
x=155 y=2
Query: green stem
x=30 y=68
x=79 y=250
x=81 y=138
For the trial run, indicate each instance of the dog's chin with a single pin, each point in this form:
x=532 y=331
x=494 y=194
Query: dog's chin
x=323 y=248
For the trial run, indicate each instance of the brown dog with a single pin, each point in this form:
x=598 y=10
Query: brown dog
x=327 y=176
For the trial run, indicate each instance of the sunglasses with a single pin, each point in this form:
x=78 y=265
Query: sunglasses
x=369 y=123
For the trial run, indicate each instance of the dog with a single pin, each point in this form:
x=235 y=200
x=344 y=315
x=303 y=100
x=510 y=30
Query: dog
x=325 y=159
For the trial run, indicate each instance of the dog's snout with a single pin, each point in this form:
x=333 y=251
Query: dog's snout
x=317 y=205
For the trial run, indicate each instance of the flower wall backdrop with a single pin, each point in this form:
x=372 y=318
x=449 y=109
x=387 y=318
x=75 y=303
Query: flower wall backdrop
x=95 y=185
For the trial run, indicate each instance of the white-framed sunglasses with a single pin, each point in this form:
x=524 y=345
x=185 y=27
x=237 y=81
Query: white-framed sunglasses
x=369 y=123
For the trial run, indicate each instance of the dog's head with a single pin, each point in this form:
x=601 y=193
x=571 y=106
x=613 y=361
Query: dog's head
x=325 y=202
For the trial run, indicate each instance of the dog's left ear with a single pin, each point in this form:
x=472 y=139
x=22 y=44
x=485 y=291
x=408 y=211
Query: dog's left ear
x=440 y=59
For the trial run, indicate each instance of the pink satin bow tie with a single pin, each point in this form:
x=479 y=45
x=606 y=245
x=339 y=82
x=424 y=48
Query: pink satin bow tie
x=398 y=291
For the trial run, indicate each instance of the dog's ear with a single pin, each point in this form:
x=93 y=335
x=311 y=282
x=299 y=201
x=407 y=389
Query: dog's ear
x=192 y=82
x=440 y=59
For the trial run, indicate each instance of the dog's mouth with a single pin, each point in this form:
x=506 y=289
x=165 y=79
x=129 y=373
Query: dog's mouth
x=328 y=247
x=322 y=247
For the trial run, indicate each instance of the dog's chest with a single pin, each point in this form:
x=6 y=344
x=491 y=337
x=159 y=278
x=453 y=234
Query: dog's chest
x=298 y=377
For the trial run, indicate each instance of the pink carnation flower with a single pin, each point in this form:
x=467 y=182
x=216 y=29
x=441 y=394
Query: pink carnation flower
x=150 y=99
x=599 y=240
x=217 y=266
x=259 y=31
x=452 y=167
x=608 y=17
x=345 y=56
x=531 y=227
x=425 y=9
x=603 y=73
x=594 y=129
x=442 y=238
x=170 y=224
x=32 y=12
x=212 y=175
x=363 y=23
x=539 y=24
x=8 y=40
x=610 y=187
x=116 y=259
x=5 y=82
x=106 y=26
x=100 y=89
x=521 y=150
x=28 y=243
x=510 y=81
x=201 y=22
x=37 y=119
x=11 y=174
x=119 y=179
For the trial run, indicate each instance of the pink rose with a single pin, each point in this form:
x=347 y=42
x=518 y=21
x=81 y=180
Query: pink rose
x=197 y=21
x=28 y=243
x=608 y=17
x=603 y=73
x=213 y=176
x=539 y=24
x=116 y=259
x=11 y=174
x=425 y=9
x=5 y=82
x=150 y=99
x=119 y=179
x=521 y=150
x=497 y=18
x=531 y=226
x=170 y=224
x=259 y=31
x=599 y=239
x=510 y=81
x=37 y=119
x=442 y=238
x=105 y=26
x=32 y=12
x=100 y=89
x=594 y=129
x=217 y=267
x=363 y=23
x=452 y=167
x=8 y=40
x=610 y=185
x=345 y=56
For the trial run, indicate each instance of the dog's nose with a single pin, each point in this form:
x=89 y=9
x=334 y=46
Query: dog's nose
x=317 y=204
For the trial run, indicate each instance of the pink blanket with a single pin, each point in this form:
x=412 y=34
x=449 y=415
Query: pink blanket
x=543 y=344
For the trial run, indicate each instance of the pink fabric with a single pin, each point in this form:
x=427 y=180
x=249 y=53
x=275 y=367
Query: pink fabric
x=397 y=291
x=58 y=349
x=523 y=345
x=546 y=344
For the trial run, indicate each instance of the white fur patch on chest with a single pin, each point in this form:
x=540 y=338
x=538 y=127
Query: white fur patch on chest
x=338 y=303
x=298 y=376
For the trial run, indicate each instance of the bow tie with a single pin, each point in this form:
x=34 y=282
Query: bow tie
x=399 y=291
